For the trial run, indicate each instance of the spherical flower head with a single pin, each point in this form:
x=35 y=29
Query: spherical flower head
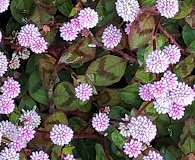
x=27 y=35
x=157 y=62
x=169 y=80
x=83 y=91
x=158 y=89
x=3 y=64
x=76 y=24
x=61 y=134
x=14 y=62
x=100 y=122
x=1 y=36
x=182 y=94
x=153 y=155
x=27 y=133
x=10 y=88
x=145 y=92
x=162 y=104
x=167 y=8
x=39 y=45
x=88 y=18
x=9 y=154
x=176 y=111
x=39 y=155
x=68 y=32
x=30 y=118
x=124 y=129
x=18 y=144
x=132 y=148
x=142 y=129
x=8 y=130
x=173 y=53
x=127 y=9
x=128 y=28
x=111 y=36
x=69 y=157
x=4 y=4
x=7 y=105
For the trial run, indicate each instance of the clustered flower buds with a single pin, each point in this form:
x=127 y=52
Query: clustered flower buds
x=87 y=18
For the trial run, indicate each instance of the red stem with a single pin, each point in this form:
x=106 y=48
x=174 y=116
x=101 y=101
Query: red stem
x=142 y=109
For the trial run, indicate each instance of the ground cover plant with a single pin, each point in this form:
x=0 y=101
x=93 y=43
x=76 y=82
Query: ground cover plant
x=97 y=79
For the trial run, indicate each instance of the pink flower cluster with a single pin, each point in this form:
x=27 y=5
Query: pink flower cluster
x=87 y=18
x=10 y=90
x=4 y=4
x=167 y=8
x=127 y=9
x=83 y=91
x=61 y=134
x=100 y=122
x=170 y=96
x=29 y=36
x=158 y=61
x=18 y=135
x=140 y=130
x=111 y=36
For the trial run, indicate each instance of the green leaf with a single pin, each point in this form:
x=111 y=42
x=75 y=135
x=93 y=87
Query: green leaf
x=64 y=97
x=55 y=152
x=50 y=36
x=141 y=32
x=66 y=7
x=175 y=131
x=73 y=12
x=162 y=122
x=167 y=155
x=130 y=95
x=147 y=2
x=188 y=34
x=190 y=19
x=185 y=67
x=118 y=139
x=26 y=103
x=108 y=97
x=100 y=154
x=118 y=112
x=76 y=123
x=33 y=62
x=187 y=138
x=14 y=117
x=41 y=16
x=130 y=72
x=20 y=9
x=56 y=118
x=36 y=90
x=79 y=52
x=12 y=25
x=150 y=111
x=144 y=76
x=81 y=149
x=68 y=149
x=106 y=11
x=106 y=70
x=185 y=7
